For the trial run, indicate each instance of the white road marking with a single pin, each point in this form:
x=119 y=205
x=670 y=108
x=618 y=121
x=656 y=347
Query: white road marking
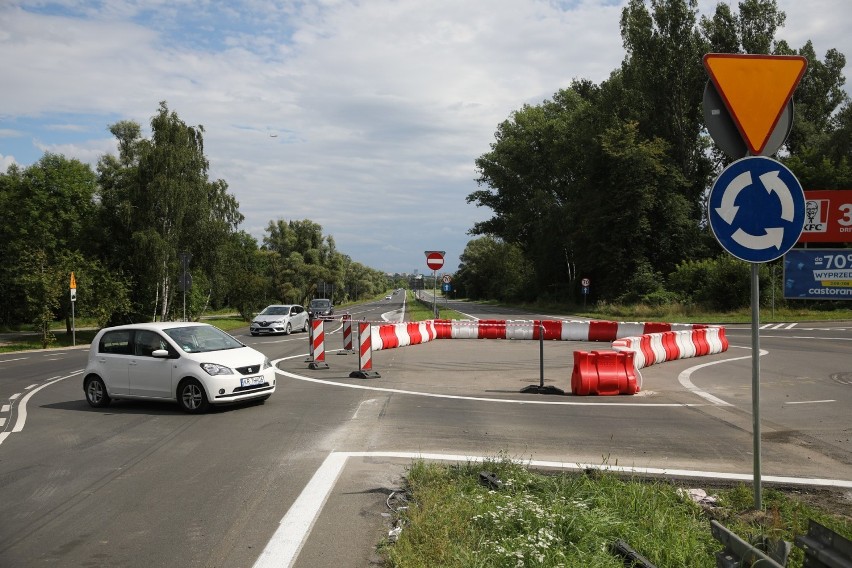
x=18 y=359
x=283 y=548
x=31 y=387
x=22 y=405
x=810 y=401
x=684 y=378
x=5 y=408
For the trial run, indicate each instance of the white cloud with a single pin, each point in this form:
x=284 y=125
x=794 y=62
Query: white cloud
x=380 y=108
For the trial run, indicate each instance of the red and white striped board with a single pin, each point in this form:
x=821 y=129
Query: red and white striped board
x=317 y=346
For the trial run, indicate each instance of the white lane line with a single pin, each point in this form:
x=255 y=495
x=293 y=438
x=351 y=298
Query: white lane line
x=810 y=402
x=283 y=548
x=14 y=396
x=22 y=405
x=30 y=387
x=2 y=422
x=5 y=408
x=18 y=359
x=685 y=379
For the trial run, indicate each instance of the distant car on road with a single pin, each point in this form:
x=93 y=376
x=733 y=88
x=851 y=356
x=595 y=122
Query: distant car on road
x=389 y=296
x=321 y=308
x=279 y=318
x=195 y=364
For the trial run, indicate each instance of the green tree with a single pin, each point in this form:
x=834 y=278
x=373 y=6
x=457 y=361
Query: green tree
x=157 y=202
x=53 y=203
x=491 y=268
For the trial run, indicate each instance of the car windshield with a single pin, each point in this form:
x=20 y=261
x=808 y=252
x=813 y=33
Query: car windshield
x=275 y=311
x=320 y=303
x=202 y=339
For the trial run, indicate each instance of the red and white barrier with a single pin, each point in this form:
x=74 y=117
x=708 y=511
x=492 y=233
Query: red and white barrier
x=641 y=344
x=604 y=373
x=317 y=358
x=365 y=343
x=347 y=332
x=653 y=348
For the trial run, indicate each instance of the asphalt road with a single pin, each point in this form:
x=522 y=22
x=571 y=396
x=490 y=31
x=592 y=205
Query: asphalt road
x=142 y=484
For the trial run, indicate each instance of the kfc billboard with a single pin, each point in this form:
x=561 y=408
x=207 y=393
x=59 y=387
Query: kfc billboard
x=828 y=216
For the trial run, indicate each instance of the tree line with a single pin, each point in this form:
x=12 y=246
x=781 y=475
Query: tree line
x=609 y=181
x=122 y=228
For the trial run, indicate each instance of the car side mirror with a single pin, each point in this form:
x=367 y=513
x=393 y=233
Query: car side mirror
x=160 y=353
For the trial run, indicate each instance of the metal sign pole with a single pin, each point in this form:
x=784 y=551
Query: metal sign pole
x=435 y=293
x=755 y=379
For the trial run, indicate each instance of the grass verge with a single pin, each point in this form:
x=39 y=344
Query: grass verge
x=560 y=520
x=415 y=310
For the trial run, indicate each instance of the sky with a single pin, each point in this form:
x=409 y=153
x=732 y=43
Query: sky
x=365 y=116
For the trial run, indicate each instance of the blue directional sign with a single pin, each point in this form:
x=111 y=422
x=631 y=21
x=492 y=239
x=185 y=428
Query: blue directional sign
x=757 y=209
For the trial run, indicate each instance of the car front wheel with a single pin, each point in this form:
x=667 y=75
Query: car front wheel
x=96 y=392
x=288 y=329
x=306 y=326
x=191 y=397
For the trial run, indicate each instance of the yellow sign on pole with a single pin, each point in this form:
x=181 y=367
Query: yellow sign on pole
x=73 y=281
x=756 y=89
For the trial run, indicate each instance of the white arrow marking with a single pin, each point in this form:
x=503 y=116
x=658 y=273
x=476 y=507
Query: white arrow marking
x=728 y=210
x=772 y=182
x=773 y=238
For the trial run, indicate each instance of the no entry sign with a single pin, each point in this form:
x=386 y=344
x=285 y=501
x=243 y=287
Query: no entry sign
x=435 y=259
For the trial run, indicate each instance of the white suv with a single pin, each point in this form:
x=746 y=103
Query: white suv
x=194 y=363
x=279 y=318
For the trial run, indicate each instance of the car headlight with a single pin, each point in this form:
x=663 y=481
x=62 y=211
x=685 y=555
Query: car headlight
x=214 y=369
x=266 y=364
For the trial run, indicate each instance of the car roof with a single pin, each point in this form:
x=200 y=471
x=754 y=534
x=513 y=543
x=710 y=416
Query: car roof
x=279 y=306
x=320 y=300
x=158 y=325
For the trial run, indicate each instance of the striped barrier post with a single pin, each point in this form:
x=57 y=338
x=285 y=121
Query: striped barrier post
x=365 y=353
x=317 y=346
x=347 y=335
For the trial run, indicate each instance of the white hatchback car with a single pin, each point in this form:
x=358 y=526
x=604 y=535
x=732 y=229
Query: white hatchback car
x=279 y=318
x=194 y=363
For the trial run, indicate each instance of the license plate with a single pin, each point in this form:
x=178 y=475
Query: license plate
x=251 y=381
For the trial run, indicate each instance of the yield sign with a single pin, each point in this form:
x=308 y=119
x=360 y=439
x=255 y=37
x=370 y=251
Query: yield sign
x=756 y=90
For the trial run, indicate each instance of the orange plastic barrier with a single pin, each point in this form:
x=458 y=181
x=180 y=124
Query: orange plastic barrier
x=656 y=327
x=388 y=335
x=603 y=330
x=603 y=373
x=443 y=329
x=647 y=351
x=670 y=345
x=699 y=339
x=492 y=329
x=552 y=329
x=414 y=333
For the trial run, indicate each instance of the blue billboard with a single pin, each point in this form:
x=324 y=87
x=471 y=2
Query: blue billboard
x=818 y=274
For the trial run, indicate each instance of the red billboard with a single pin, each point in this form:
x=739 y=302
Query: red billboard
x=828 y=216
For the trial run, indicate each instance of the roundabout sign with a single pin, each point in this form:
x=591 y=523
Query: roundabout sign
x=756 y=209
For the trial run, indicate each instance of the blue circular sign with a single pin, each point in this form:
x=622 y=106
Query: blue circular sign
x=756 y=209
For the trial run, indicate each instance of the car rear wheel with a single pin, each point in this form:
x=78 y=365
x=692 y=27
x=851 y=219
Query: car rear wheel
x=191 y=397
x=96 y=392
